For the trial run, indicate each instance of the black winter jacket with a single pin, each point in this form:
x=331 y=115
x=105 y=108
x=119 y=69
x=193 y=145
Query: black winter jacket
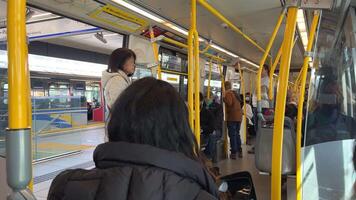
x=126 y=171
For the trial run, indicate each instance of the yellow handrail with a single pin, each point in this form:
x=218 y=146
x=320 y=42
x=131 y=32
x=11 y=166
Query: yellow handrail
x=197 y=86
x=155 y=52
x=190 y=79
x=264 y=57
x=226 y=147
x=169 y=40
x=231 y=25
x=216 y=58
x=273 y=69
x=182 y=45
x=303 y=79
x=244 y=101
x=271 y=72
x=174 y=72
x=280 y=104
x=20 y=111
x=206 y=48
x=209 y=79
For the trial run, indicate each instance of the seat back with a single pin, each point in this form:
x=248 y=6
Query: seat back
x=263 y=149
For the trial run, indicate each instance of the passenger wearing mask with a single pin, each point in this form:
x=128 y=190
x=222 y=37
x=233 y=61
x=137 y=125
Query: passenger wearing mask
x=233 y=118
x=117 y=77
x=151 y=153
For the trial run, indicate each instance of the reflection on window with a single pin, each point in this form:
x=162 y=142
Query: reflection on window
x=332 y=101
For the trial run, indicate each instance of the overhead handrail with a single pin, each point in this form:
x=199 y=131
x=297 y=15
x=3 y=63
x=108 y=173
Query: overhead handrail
x=182 y=45
x=303 y=79
x=215 y=12
x=264 y=57
x=18 y=136
x=206 y=48
x=155 y=54
x=281 y=103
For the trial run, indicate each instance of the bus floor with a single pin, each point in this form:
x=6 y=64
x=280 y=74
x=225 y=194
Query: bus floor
x=45 y=172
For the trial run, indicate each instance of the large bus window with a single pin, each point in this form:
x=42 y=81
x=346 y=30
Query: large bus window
x=330 y=121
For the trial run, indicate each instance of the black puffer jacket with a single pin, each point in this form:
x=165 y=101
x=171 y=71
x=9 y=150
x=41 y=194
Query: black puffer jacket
x=126 y=171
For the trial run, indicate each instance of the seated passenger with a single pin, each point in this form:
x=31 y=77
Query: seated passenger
x=151 y=153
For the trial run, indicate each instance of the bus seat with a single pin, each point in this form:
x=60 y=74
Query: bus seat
x=263 y=148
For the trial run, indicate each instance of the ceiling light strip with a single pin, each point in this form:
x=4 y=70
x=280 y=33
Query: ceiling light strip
x=176 y=28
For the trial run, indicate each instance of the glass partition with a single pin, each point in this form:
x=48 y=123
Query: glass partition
x=330 y=125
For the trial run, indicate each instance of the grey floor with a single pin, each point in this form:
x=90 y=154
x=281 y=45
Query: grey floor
x=46 y=171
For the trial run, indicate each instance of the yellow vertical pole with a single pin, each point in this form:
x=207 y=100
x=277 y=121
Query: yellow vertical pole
x=197 y=85
x=222 y=78
x=155 y=52
x=190 y=79
x=303 y=79
x=271 y=73
x=280 y=104
x=264 y=57
x=244 y=101
x=209 y=79
x=194 y=61
x=18 y=136
x=273 y=69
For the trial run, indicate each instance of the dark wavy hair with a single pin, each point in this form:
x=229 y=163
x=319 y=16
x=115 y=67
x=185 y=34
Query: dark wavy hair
x=151 y=112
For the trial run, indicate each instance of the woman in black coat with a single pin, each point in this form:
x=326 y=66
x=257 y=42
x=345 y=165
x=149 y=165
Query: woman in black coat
x=151 y=153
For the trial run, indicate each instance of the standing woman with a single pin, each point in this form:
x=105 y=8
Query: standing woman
x=117 y=77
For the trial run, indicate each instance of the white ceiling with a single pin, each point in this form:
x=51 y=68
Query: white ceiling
x=255 y=17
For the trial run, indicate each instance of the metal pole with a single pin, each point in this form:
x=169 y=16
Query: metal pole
x=281 y=103
x=197 y=84
x=271 y=73
x=222 y=78
x=209 y=79
x=244 y=100
x=155 y=52
x=18 y=136
x=264 y=57
x=300 y=105
x=273 y=69
x=190 y=79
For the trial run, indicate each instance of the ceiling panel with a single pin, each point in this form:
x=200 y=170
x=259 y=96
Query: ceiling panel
x=255 y=17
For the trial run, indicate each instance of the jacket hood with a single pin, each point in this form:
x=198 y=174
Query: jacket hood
x=113 y=154
x=106 y=76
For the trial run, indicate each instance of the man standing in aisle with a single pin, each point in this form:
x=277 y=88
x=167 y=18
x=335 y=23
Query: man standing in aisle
x=233 y=118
